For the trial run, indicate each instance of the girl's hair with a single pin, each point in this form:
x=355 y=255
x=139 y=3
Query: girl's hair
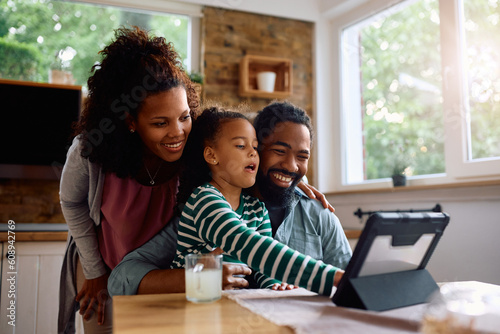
x=205 y=131
x=134 y=67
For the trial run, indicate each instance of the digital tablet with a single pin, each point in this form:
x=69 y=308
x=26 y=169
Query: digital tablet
x=387 y=269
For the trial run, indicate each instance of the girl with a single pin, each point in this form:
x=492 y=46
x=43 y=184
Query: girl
x=222 y=160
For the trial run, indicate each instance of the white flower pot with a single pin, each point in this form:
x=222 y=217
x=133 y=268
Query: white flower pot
x=265 y=81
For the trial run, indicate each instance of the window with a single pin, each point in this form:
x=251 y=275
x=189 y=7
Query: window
x=419 y=88
x=59 y=41
x=482 y=41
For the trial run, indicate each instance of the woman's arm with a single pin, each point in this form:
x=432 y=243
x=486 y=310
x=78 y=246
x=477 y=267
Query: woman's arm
x=74 y=194
x=314 y=193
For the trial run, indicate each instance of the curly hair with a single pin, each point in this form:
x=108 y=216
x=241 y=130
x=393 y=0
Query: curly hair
x=205 y=131
x=134 y=66
x=279 y=112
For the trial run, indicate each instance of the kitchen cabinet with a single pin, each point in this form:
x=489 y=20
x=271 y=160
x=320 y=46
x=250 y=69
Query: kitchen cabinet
x=250 y=65
x=36 y=270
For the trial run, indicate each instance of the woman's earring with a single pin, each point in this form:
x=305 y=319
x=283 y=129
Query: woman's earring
x=132 y=130
x=215 y=162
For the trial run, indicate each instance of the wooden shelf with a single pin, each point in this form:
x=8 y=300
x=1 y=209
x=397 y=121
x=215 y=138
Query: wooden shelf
x=250 y=65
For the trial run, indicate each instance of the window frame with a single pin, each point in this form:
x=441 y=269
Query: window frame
x=455 y=108
x=193 y=11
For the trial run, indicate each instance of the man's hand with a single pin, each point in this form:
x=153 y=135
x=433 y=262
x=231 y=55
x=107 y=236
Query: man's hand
x=94 y=293
x=229 y=281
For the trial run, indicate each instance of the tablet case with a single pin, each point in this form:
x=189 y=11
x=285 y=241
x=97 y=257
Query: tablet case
x=391 y=290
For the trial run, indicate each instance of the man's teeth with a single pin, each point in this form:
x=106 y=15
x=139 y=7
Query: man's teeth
x=282 y=178
x=173 y=145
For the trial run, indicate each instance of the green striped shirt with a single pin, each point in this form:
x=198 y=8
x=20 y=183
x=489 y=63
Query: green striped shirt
x=208 y=222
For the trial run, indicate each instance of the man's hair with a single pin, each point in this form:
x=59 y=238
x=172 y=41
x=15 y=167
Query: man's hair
x=279 y=112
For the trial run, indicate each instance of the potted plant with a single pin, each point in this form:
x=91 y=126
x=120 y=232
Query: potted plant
x=196 y=77
x=398 y=175
x=401 y=167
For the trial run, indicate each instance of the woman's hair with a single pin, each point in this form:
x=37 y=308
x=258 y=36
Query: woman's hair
x=205 y=131
x=279 y=112
x=133 y=67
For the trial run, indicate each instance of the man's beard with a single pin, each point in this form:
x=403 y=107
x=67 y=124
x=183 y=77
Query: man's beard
x=274 y=195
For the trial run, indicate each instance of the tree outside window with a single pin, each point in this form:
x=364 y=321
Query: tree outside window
x=35 y=35
x=392 y=87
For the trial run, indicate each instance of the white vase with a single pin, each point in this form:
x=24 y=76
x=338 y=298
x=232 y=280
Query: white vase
x=265 y=81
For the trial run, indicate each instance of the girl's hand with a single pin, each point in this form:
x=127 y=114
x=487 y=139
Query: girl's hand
x=338 y=276
x=94 y=293
x=314 y=193
x=283 y=286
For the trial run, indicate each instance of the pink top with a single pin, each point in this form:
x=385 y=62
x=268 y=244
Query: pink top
x=132 y=214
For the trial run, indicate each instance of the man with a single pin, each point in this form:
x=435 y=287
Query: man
x=285 y=135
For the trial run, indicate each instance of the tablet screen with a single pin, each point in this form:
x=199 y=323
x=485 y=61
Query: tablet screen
x=383 y=257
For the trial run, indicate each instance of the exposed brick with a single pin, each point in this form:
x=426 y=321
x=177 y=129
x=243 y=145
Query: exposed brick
x=230 y=34
x=30 y=201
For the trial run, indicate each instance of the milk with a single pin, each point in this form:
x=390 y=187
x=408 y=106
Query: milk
x=203 y=286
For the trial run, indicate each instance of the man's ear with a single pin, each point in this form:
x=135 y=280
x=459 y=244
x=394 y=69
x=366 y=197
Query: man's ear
x=210 y=156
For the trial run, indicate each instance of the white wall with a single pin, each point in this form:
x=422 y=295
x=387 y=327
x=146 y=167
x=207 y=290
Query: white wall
x=306 y=10
x=470 y=247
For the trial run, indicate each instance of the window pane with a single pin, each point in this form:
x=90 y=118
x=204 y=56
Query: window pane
x=483 y=69
x=33 y=33
x=399 y=91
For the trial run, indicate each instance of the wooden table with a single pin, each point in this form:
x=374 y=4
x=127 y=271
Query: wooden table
x=260 y=310
x=172 y=313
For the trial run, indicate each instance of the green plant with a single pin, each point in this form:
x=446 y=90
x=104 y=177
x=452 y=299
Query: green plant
x=20 y=61
x=400 y=166
x=403 y=160
x=196 y=77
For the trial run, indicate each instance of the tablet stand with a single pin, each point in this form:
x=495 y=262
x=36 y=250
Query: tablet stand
x=387 y=291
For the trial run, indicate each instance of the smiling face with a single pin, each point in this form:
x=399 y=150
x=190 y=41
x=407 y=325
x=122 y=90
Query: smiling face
x=233 y=158
x=284 y=156
x=164 y=123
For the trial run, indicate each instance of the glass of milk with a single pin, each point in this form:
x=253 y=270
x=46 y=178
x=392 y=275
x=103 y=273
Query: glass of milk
x=203 y=277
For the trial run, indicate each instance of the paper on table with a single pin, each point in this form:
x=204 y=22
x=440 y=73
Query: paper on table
x=307 y=312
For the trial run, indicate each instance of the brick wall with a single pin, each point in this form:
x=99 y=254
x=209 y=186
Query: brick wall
x=227 y=36
x=30 y=201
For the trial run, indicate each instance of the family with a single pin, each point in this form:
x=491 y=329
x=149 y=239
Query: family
x=151 y=178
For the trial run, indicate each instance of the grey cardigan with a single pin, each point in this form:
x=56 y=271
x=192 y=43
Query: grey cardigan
x=80 y=194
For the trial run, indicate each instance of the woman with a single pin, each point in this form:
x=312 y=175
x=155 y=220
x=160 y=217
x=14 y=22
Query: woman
x=120 y=179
